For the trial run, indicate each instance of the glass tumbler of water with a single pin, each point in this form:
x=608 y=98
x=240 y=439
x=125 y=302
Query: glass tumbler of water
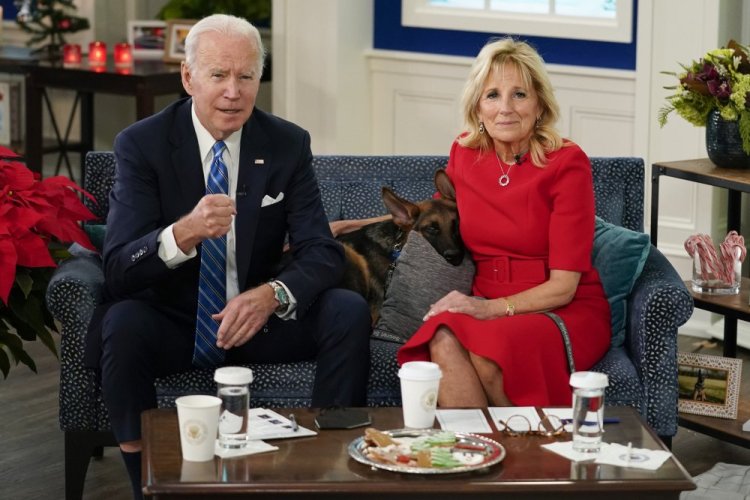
x=588 y=410
x=233 y=388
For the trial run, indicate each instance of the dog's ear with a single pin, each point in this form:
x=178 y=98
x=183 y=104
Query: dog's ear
x=404 y=212
x=444 y=185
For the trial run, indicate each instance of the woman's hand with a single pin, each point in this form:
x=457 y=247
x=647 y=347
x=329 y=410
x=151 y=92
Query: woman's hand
x=457 y=302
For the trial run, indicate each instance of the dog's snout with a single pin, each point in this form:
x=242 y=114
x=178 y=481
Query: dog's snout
x=454 y=257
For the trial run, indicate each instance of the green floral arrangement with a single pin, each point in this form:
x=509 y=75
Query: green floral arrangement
x=257 y=12
x=720 y=81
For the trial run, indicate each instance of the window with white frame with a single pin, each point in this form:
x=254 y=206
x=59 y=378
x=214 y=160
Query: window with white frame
x=602 y=20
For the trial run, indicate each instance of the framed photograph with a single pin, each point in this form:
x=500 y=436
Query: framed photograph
x=708 y=385
x=147 y=38
x=177 y=30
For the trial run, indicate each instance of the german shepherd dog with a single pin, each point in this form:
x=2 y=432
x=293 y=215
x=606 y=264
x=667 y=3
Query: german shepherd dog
x=371 y=251
x=699 y=391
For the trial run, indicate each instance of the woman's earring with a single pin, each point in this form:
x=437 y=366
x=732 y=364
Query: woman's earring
x=481 y=128
x=538 y=122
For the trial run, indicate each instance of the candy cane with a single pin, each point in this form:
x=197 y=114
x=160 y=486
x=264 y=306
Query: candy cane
x=709 y=260
x=732 y=250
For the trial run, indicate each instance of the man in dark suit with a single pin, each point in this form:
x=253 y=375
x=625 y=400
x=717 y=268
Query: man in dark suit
x=162 y=221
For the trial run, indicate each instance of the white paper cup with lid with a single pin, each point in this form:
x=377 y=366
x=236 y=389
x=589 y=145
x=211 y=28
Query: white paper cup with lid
x=233 y=388
x=588 y=410
x=420 y=381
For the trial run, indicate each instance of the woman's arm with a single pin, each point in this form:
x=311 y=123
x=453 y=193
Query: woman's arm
x=556 y=292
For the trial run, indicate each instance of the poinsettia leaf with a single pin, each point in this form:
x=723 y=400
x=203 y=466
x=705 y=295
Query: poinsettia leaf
x=14 y=346
x=25 y=316
x=4 y=361
x=32 y=252
x=7 y=267
x=24 y=281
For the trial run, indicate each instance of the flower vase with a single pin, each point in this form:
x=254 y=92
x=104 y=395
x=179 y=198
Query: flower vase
x=723 y=142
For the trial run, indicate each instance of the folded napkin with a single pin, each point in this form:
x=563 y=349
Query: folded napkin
x=613 y=454
x=639 y=458
x=251 y=448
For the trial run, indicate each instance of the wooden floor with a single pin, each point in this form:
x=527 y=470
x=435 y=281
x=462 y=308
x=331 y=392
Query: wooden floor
x=31 y=444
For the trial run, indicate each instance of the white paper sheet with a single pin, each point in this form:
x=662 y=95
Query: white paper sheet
x=267 y=424
x=505 y=412
x=470 y=420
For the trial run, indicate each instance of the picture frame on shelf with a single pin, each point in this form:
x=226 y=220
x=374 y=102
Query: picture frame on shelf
x=10 y=113
x=708 y=385
x=147 y=38
x=177 y=30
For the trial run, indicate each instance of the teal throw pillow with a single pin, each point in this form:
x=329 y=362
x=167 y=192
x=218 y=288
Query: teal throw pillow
x=96 y=233
x=618 y=255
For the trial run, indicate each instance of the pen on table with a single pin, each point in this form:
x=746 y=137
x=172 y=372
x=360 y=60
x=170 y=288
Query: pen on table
x=611 y=420
x=295 y=427
x=630 y=450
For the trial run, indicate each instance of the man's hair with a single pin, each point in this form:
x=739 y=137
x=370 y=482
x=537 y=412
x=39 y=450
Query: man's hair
x=530 y=66
x=231 y=26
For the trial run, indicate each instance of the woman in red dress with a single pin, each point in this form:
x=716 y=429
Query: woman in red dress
x=526 y=205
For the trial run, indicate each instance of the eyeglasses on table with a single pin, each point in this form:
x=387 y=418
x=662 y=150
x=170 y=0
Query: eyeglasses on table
x=519 y=425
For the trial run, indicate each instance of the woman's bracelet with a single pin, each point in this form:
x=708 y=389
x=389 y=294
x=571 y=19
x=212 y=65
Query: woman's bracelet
x=510 y=309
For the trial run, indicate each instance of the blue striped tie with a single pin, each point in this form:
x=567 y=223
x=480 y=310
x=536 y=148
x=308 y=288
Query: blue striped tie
x=212 y=293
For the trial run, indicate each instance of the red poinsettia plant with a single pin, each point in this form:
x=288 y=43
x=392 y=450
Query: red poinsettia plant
x=37 y=216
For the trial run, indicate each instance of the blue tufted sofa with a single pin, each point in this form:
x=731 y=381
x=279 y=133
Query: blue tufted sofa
x=642 y=373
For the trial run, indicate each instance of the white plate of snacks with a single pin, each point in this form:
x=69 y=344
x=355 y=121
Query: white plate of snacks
x=429 y=451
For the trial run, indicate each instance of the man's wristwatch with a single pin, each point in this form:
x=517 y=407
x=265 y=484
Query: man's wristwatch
x=281 y=296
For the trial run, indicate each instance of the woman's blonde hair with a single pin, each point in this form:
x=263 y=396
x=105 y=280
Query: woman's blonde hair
x=530 y=66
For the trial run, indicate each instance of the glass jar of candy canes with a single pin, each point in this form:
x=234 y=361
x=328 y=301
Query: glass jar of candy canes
x=716 y=273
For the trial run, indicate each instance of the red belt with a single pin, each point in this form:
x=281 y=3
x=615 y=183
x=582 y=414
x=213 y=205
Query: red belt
x=508 y=269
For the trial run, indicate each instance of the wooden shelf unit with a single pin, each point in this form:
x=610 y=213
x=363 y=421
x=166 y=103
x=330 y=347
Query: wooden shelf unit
x=732 y=307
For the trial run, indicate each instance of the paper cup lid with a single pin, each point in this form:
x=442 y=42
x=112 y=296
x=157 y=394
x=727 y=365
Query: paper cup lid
x=420 y=370
x=233 y=375
x=589 y=380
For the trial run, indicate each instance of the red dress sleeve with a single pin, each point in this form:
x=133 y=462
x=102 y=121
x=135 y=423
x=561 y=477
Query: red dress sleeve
x=571 y=229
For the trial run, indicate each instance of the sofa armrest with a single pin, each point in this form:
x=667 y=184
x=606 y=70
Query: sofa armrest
x=74 y=291
x=76 y=288
x=658 y=305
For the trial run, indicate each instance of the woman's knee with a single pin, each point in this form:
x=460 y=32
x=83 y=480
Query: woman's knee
x=444 y=344
x=488 y=371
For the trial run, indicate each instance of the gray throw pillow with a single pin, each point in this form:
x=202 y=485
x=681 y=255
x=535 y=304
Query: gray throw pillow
x=421 y=277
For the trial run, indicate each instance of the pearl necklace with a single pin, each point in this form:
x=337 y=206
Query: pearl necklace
x=504 y=179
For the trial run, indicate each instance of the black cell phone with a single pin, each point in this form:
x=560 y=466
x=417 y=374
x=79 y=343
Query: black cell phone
x=342 y=418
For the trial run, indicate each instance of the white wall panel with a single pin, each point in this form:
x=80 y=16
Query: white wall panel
x=423 y=122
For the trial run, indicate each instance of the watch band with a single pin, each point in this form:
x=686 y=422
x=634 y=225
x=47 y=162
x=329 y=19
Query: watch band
x=281 y=296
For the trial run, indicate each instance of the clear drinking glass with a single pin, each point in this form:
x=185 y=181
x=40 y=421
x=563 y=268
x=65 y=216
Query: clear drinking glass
x=233 y=388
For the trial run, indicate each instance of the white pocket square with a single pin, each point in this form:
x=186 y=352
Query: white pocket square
x=267 y=200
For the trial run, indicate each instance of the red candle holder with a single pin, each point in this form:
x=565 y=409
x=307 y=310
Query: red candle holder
x=97 y=53
x=71 y=54
x=123 y=55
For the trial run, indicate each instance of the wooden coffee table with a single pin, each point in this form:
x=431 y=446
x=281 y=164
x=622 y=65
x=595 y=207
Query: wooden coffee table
x=320 y=467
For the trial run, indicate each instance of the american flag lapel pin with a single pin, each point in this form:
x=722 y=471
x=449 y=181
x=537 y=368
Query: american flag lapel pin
x=259 y=161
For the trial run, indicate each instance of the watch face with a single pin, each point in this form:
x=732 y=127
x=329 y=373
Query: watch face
x=281 y=296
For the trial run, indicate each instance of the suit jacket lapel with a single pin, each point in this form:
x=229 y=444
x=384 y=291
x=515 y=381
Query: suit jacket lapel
x=251 y=180
x=186 y=161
